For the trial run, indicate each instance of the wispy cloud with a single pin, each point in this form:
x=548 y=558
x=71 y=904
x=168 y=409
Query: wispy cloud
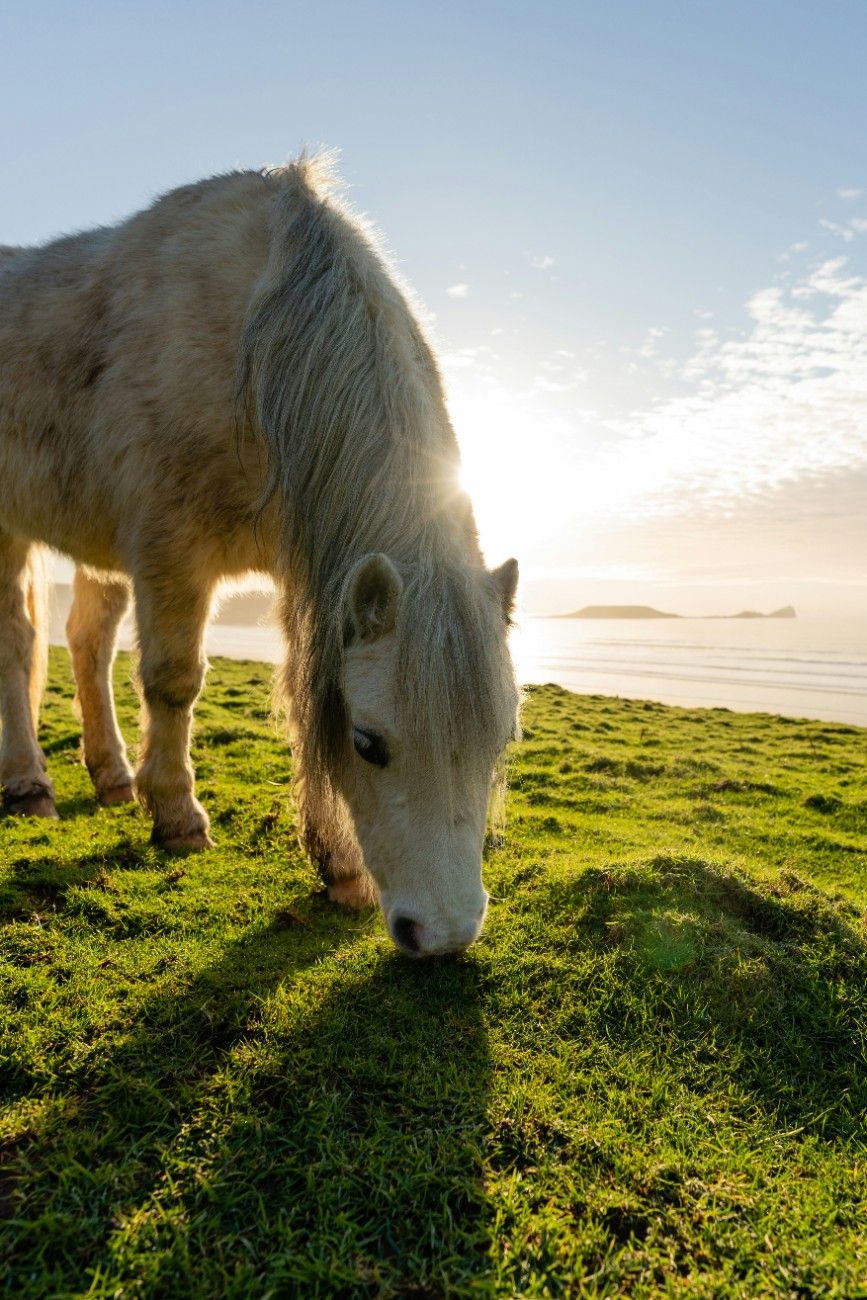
x=648 y=347
x=541 y=261
x=559 y=373
x=756 y=465
x=847 y=232
x=835 y=228
x=482 y=361
x=458 y=290
x=848 y=192
x=782 y=405
x=800 y=247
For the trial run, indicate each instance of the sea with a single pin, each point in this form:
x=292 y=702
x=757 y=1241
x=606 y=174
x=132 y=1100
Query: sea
x=801 y=667
x=807 y=668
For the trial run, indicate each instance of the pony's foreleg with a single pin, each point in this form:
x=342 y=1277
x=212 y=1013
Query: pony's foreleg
x=171 y=622
x=331 y=844
x=23 y=653
x=97 y=609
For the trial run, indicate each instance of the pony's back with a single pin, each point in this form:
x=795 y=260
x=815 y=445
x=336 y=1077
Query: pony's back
x=118 y=351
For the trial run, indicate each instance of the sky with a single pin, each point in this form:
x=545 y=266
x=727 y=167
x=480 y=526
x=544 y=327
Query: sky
x=638 y=232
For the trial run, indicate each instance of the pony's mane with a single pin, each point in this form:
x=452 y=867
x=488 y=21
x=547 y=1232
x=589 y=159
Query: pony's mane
x=337 y=376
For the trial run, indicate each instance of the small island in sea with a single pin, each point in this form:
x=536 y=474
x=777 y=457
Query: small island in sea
x=647 y=611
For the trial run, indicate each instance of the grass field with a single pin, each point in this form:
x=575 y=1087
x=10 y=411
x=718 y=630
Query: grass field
x=648 y=1078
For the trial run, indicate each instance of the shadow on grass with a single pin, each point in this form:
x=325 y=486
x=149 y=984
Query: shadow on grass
x=67 y=808
x=766 y=981
x=278 y=1123
x=35 y=885
x=79 y=805
x=59 y=744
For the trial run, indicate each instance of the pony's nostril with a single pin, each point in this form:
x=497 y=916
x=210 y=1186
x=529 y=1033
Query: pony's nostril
x=405 y=932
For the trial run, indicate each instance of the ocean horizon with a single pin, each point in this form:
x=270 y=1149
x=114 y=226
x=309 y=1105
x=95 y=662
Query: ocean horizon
x=802 y=667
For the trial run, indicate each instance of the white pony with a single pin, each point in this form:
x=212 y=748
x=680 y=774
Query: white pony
x=233 y=380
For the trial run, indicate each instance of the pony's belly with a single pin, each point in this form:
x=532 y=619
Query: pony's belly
x=85 y=545
x=92 y=551
x=72 y=521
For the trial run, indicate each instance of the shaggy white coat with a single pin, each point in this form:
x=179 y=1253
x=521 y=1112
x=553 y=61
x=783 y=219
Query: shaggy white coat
x=234 y=380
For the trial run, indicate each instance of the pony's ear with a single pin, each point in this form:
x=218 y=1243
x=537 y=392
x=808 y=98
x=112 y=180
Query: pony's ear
x=506 y=582
x=374 y=590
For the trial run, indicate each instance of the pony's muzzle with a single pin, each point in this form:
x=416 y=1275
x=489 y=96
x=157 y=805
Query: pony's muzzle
x=415 y=939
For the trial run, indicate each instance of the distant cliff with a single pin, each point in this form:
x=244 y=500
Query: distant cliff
x=647 y=611
x=618 y=611
x=788 y=611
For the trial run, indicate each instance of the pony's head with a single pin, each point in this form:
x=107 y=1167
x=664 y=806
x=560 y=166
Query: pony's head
x=430 y=705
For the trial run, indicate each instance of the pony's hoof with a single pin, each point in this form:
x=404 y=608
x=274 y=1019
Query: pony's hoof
x=116 y=795
x=33 y=805
x=192 y=842
x=355 y=892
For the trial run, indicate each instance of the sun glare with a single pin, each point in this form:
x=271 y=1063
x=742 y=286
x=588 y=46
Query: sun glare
x=534 y=494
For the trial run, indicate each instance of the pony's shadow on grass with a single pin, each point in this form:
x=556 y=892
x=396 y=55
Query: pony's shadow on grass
x=371 y=1115
x=766 y=982
x=34 y=885
x=354 y=1118
x=61 y=744
x=68 y=807
x=84 y=804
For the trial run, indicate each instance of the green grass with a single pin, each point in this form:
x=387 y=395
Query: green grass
x=648 y=1078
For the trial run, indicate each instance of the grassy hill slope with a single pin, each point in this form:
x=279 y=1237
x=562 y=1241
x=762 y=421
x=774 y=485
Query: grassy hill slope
x=649 y=1077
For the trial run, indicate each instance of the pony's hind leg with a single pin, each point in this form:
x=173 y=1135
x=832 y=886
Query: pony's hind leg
x=171 y=617
x=98 y=606
x=23 y=657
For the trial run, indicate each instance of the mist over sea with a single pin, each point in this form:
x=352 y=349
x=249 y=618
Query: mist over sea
x=803 y=667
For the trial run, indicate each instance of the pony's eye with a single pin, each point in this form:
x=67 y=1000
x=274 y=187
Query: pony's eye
x=371 y=747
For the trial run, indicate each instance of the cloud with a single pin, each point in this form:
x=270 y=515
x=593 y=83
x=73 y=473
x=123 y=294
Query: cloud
x=541 y=261
x=458 y=290
x=755 y=464
x=810 y=529
x=545 y=385
x=648 y=347
x=800 y=247
x=848 y=192
x=479 y=363
x=560 y=374
x=856 y=226
x=834 y=228
x=779 y=406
